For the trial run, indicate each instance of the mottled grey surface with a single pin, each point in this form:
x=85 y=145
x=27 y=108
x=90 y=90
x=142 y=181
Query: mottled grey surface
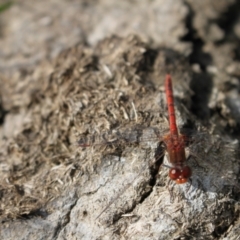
x=50 y=189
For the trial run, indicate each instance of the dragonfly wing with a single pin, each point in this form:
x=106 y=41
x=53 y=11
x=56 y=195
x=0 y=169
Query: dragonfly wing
x=217 y=157
x=137 y=134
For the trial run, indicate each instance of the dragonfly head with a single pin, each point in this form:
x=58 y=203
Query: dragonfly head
x=180 y=174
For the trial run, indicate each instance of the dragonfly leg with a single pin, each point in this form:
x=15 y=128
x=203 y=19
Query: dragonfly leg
x=195 y=157
x=170 y=190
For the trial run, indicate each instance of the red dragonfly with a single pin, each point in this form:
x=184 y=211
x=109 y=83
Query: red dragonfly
x=174 y=143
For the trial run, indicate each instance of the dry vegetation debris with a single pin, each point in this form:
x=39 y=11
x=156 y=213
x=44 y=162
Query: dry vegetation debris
x=85 y=90
x=74 y=94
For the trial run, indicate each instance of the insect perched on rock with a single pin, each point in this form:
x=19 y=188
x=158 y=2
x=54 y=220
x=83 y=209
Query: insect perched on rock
x=174 y=144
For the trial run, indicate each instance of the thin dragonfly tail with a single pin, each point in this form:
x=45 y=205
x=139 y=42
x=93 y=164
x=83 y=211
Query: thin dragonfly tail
x=170 y=105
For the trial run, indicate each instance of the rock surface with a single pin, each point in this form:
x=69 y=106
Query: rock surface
x=65 y=77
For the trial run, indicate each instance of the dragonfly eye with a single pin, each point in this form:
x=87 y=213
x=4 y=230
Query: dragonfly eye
x=186 y=172
x=174 y=173
x=180 y=175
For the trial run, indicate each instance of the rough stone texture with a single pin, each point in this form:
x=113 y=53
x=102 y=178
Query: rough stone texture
x=57 y=92
x=44 y=28
x=207 y=16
